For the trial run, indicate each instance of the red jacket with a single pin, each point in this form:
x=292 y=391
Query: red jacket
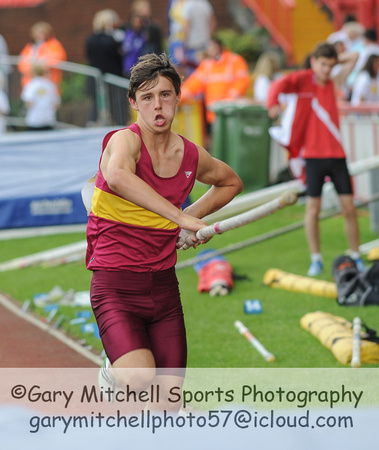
x=310 y=122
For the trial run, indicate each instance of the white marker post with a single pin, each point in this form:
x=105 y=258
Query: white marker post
x=254 y=341
x=356 y=357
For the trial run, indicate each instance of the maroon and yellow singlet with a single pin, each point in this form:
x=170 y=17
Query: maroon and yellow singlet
x=124 y=236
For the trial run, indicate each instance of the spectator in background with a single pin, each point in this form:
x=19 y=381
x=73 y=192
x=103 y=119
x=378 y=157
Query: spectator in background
x=41 y=99
x=344 y=90
x=153 y=31
x=176 y=32
x=103 y=51
x=354 y=32
x=350 y=34
x=103 y=45
x=222 y=75
x=199 y=26
x=266 y=69
x=133 y=43
x=5 y=68
x=370 y=47
x=366 y=85
x=4 y=105
x=44 y=49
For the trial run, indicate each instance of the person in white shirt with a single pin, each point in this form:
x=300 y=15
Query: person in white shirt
x=266 y=69
x=370 y=47
x=42 y=100
x=4 y=105
x=366 y=85
x=199 y=25
x=5 y=68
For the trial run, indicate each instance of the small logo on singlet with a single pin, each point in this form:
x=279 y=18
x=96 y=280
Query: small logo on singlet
x=188 y=173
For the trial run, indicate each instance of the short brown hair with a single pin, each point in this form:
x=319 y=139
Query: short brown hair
x=145 y=73
x=325 y=50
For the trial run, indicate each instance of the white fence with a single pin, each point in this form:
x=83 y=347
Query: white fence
x=360 y=136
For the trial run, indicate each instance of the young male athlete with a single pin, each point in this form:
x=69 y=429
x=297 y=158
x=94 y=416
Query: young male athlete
x=315 y=131
x=146 y=172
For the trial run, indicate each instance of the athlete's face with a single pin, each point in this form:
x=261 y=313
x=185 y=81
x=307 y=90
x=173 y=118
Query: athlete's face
x=156 y=104
x=322 y=67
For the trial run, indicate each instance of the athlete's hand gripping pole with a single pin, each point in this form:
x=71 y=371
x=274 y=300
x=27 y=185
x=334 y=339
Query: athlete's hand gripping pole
x=286 y=199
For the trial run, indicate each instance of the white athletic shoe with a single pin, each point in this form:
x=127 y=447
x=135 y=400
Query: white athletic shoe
x=105 y=381
x=315 y=268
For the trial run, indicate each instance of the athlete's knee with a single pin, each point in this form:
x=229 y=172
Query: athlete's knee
x=312 y=210
x=348 y=209
x=137 y=379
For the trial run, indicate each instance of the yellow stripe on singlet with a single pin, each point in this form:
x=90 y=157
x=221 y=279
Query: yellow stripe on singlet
x=112 y=207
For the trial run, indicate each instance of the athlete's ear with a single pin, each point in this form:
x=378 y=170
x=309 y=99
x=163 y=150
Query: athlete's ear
x=133 y=104
x=178 y=98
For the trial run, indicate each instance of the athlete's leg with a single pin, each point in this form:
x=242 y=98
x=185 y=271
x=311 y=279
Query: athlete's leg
x=142 y=327
x=167 y=335
x=122 y=306
x=315 y=171
x=136 y=369
x=351 y=221
x=342 y=182
x=312 y=229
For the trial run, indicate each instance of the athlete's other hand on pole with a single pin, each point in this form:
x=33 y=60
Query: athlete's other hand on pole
x=187 y=239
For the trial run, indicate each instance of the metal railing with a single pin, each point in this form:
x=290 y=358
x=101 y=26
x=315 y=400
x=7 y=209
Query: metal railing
x=88 y=97
x=92 y=99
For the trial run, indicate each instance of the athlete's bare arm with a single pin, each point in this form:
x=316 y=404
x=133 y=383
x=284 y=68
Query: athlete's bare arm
x=118 y=167
x=225 y=185
x=347 y=61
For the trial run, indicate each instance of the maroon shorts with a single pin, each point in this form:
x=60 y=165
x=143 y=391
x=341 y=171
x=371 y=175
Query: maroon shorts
x=140 y=310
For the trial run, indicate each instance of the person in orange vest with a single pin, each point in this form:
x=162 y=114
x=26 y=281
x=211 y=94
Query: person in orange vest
x=44 y=49
x=222 y=75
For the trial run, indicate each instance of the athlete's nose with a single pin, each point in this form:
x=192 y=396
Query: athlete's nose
x=157 y=103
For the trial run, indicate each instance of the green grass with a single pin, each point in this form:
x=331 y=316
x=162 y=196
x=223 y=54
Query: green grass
x=213 y=341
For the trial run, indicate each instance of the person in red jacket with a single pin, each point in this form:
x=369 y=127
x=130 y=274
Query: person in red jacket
x=222 y=75
x=43 y=49
x=313 y=130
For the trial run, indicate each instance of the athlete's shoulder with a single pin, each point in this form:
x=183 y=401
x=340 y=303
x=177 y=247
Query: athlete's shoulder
x=122 y=139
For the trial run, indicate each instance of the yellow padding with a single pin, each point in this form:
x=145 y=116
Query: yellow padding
x=282 y=280
x=336 y=334
x=373 y=254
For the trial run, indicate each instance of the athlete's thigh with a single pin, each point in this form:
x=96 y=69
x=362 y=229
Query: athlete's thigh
x=167 y=331
x=315 y=173
x=168 y=341
x=340 y=177
x=122 y=305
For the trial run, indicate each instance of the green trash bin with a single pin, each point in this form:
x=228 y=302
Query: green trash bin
x=240 y=138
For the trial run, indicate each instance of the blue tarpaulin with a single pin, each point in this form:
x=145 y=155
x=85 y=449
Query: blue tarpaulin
x=42 y=174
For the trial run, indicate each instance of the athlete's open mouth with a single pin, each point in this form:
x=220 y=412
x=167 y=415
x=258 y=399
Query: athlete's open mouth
x=159 y=119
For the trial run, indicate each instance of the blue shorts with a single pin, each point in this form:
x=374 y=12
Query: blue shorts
x=137 y=310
